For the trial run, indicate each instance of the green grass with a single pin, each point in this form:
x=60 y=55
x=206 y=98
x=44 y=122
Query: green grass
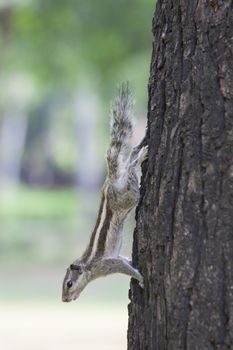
x=44 y=226
x=38 y=204
x=42 y=231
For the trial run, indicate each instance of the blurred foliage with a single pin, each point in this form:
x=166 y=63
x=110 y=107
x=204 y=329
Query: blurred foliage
x=55 y=49
x=62 y=42
x=38 y=204
x=51 y=50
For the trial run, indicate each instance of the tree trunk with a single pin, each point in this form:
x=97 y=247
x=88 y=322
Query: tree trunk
x=183 y=241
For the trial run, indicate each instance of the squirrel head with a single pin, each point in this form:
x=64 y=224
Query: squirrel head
x=76 y=278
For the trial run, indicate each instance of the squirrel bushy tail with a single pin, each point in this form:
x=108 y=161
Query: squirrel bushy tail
x=121 y=130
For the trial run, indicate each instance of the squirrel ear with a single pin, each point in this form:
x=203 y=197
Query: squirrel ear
x=76 y=267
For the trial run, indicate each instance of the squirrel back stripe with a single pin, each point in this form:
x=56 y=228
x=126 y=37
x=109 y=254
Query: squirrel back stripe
x=121 y=130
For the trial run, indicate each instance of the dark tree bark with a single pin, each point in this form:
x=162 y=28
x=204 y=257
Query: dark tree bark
x=183 y=241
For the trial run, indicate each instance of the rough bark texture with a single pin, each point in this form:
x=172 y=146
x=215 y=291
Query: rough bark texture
x=183 y=242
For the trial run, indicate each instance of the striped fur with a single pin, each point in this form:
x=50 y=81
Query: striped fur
x=88 y=251
x=96 y=246
x=105 y=237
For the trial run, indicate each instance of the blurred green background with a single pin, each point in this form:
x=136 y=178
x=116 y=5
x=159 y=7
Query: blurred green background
x=60 y=65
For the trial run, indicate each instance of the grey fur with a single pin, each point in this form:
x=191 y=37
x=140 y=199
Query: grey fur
x=120 y=194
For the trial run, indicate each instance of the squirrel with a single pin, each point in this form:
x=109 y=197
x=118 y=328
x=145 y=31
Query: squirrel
x=120 y=195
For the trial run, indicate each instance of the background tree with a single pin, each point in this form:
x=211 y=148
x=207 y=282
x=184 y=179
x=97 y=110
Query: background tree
x=183 y=241
x=66 y=50
x=60 y=63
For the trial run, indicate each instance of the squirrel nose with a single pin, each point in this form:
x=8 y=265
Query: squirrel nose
x=66 y=300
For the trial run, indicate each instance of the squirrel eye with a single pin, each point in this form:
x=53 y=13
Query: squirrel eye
x=69 y=284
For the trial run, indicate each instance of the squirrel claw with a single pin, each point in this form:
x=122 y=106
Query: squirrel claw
x=141 y=284
x=143 y=154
